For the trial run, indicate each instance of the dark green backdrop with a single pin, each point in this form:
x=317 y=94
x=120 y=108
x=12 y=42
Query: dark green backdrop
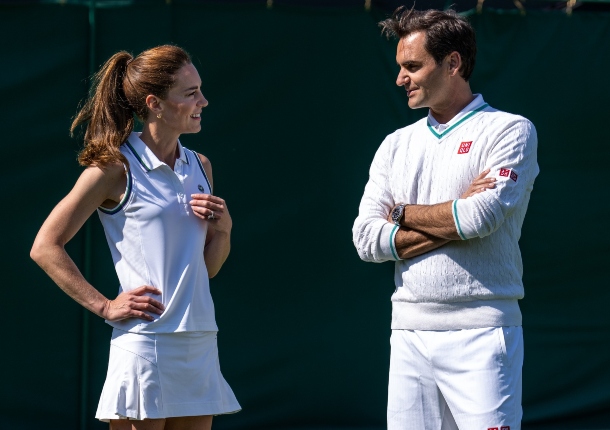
x=300 y=98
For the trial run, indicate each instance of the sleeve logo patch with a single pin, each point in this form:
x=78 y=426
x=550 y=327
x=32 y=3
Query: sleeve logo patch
x=492 y=428
x=464 y=147
x=509 y=173
x=505 y=428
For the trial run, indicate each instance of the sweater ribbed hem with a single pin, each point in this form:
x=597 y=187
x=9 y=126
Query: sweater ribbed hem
x=455 y=316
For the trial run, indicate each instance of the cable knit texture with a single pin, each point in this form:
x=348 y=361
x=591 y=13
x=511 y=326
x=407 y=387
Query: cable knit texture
x=469 y=283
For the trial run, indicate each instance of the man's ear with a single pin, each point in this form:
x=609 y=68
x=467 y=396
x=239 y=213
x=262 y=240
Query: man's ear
x=454 y=62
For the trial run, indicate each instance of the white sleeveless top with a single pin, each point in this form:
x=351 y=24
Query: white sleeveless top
x=156 y=239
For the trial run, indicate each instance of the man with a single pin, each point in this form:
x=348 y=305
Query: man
x=446 y=199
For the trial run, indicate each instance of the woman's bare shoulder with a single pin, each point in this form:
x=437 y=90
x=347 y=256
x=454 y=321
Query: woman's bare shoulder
x=204 y=160
x=104 y=181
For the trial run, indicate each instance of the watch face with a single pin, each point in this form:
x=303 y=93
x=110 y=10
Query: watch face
x=397 y=214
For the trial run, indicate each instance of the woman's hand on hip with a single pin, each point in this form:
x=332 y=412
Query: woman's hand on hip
x=134 y=304
x=213 y=210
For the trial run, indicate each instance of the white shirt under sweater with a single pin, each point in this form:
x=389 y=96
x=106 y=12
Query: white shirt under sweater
x=474 y=282
x=155 y=239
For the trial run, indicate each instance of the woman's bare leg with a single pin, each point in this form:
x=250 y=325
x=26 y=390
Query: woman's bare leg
x=157 y=424
x=202 y=422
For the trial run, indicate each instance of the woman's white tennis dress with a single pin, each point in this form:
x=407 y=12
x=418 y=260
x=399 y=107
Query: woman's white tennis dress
x=164 y=375
x=167 y=367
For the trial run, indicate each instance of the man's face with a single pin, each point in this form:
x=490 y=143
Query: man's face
x=423 y=79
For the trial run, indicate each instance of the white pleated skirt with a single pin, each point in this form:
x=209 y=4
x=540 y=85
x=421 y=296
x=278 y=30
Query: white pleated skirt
x=164 y=375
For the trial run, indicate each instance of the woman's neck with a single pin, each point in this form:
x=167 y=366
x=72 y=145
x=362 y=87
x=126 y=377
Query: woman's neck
x=162 y=143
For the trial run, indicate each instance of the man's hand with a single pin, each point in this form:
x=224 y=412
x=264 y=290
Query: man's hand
x=479 y=184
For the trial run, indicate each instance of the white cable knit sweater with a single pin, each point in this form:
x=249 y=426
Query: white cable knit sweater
x=471 y=283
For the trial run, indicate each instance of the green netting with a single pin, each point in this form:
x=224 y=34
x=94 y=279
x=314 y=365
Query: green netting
x=300 y=99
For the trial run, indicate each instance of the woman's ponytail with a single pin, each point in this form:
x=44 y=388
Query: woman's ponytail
x=119 y=92
x=107 y=113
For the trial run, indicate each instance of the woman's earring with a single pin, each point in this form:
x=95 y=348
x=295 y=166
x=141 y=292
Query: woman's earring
x=159 y=115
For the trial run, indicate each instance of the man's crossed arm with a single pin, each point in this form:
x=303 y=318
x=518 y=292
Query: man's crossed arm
x=424 y=228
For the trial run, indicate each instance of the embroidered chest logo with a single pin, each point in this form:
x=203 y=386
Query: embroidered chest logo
x=464 y=147
x=509 y=173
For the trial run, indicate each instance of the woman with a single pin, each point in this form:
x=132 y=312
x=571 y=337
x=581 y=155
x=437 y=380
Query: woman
x=167 y=234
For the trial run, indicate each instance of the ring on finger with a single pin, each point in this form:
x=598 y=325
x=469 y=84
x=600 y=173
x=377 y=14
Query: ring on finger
x=211 y=216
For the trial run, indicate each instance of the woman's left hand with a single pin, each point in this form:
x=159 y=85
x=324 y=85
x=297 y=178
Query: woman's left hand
x=213 y=210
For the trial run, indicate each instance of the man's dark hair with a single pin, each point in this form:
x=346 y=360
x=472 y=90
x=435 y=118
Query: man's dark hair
x=445 y=32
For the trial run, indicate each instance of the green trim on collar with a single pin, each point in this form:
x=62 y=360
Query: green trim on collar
x=457 y=123
x=392 y=236
x=457 y=221
x=135 y=153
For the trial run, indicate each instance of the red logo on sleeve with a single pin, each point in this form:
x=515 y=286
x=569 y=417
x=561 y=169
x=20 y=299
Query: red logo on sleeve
x=504 y=172
x=464 y=147
x=513 y=176
x=492 y=428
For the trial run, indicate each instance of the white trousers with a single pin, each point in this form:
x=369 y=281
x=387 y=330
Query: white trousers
x=456 y=379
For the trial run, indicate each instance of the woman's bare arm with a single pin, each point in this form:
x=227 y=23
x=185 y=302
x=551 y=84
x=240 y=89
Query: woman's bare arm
x=94 y=187
x=218 y=240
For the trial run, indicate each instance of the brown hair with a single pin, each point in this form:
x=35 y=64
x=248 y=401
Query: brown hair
x=118 y=92
x=446 y=32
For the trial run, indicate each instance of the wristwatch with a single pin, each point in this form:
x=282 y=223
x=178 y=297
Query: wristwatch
x=397 y=213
